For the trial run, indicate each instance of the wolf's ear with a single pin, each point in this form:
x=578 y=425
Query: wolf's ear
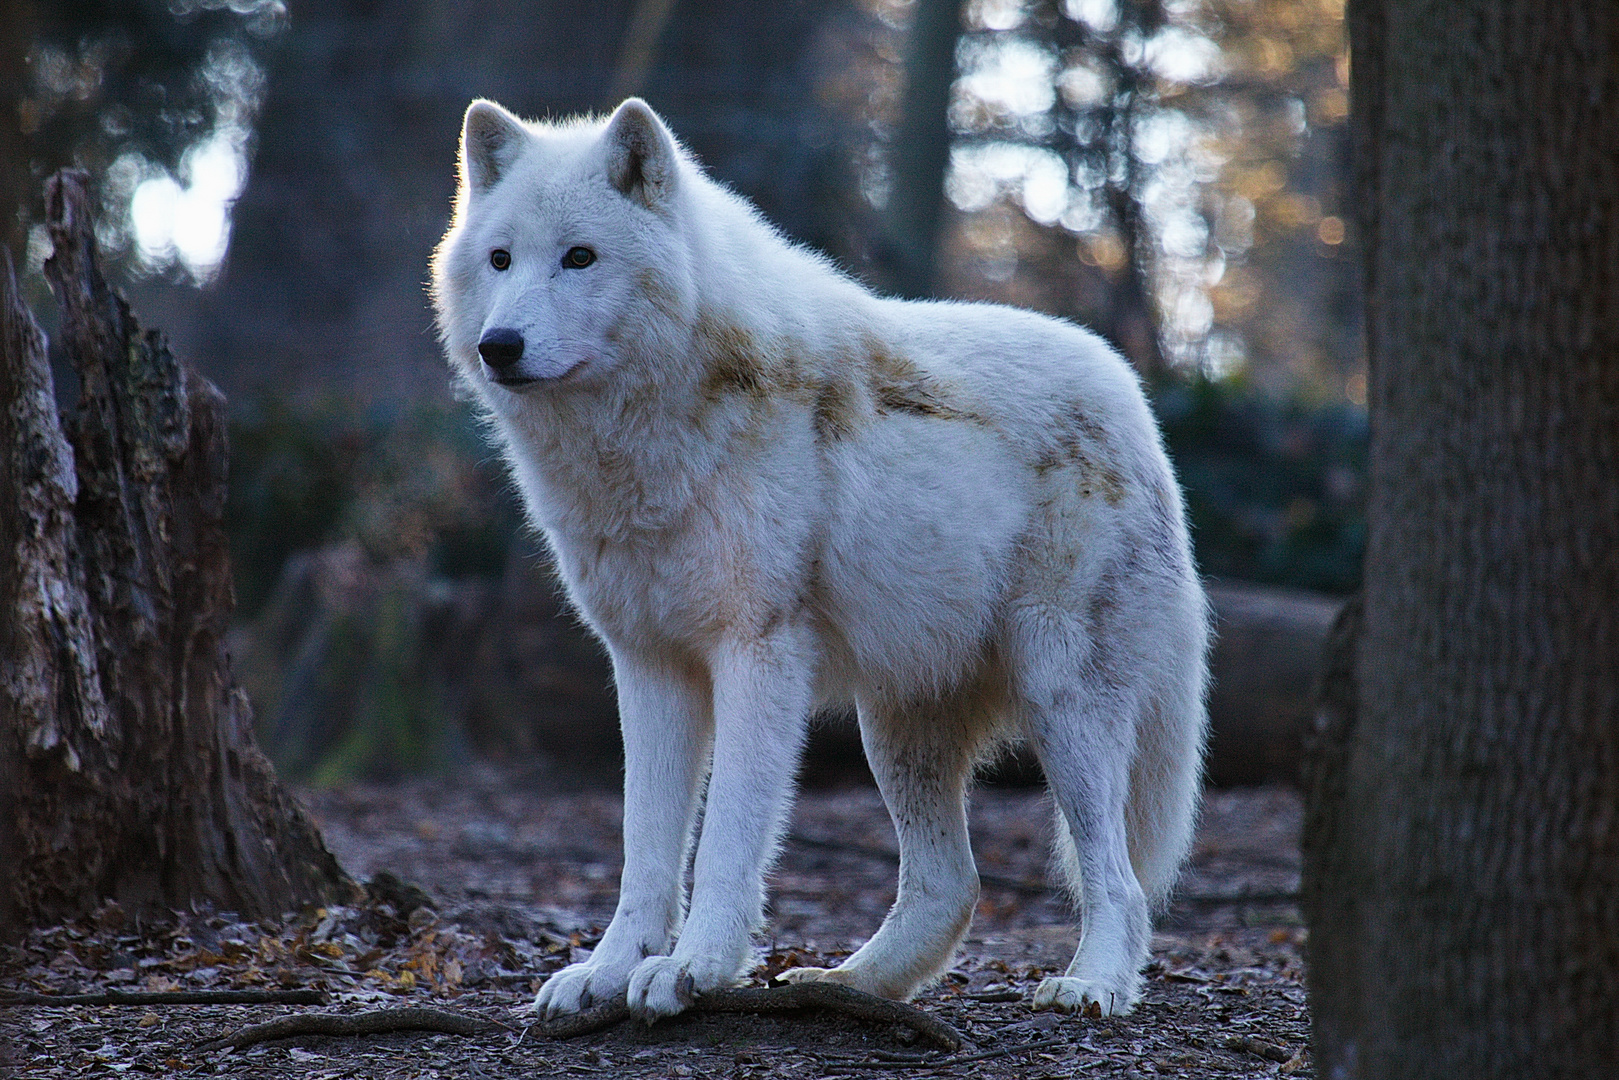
x=491 y=139
x=641 y=155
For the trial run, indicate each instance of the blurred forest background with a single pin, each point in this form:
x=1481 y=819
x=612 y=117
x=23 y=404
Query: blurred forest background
x=273 y=176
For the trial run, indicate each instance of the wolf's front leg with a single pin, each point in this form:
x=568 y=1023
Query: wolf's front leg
x=667 y=723
x=762 y=693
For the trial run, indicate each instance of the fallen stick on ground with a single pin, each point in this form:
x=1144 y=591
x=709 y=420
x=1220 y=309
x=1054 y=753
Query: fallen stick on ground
x=168 y=997
x=789 y=998
x=1259 y=1048
x=366 y=1023
x=840 y=999
x=829 y=996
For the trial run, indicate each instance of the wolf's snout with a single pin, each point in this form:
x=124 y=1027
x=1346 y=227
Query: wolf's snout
x=501 y=348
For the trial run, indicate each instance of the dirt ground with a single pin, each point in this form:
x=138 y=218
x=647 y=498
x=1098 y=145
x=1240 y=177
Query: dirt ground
x=520 y=876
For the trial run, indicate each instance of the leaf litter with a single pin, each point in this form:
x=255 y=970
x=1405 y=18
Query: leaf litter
x=479 y=888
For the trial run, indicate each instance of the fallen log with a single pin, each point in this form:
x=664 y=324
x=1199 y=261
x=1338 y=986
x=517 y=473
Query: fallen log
x=1265 y=666
x=376 y=1022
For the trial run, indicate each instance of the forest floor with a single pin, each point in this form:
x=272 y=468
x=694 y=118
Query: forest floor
x=517 y=877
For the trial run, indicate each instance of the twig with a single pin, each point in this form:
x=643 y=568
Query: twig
x=794 y=996
x=168 y=997
x=839 y=999
x=602 y=1015
x=1259 y=1048
x=1249 y=856
x=1006 y=1051
x=366 y=1023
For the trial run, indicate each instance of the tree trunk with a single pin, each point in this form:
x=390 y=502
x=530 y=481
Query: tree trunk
x=1462 y=845
x=1131 y=319
x=920 y=154
x=16 y=35
x=127 y=764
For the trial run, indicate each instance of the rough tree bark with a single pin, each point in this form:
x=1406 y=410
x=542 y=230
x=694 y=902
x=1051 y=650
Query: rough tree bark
x=127 y=764
x=1462 y=838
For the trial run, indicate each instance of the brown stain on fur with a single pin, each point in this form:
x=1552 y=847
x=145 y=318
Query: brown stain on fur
x=873 y=379
x=899 y=386
x=736 y=363
x=733 y=363
x=1083 y=443
x=836 y=410
x=659 y=293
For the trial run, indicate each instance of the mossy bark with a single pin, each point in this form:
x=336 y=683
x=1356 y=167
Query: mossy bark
x=128 y=769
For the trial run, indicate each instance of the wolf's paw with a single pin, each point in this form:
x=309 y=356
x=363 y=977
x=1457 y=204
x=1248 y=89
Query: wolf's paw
x=579 y=986
x=814 y=974
x=841 y=976
x=854 y=978
x=1092 y=997
x=665 y=986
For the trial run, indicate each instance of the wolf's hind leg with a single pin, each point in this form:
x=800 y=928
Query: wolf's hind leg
x=1079 y=706
x=922 y=758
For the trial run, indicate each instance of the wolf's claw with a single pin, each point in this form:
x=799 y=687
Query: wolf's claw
x=1067 y=994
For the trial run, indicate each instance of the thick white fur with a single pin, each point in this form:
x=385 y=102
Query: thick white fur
x=771 y=492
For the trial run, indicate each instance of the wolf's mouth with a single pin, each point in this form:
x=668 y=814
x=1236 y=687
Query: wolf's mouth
x=514 y=382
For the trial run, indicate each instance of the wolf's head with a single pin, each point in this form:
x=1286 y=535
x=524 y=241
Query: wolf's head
x=566 y=258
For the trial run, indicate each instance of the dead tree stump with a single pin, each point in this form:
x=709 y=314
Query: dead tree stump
x=128 y=769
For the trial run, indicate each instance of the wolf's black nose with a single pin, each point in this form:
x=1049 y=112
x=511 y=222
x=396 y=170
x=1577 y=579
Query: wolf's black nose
x=501 y=347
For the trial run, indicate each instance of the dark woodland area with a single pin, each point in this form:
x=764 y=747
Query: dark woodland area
x=296 y=727
x=124 y=898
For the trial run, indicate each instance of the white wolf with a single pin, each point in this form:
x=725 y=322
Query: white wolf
x=771 y=492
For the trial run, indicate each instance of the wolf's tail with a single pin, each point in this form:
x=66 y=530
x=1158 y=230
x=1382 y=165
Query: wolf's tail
x=1166 y=775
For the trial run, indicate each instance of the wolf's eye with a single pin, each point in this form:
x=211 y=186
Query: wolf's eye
x=500 y=258
x=578 y=258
